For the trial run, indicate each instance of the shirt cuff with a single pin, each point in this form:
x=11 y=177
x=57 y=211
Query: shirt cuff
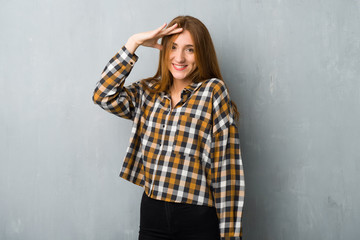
x=126 y=56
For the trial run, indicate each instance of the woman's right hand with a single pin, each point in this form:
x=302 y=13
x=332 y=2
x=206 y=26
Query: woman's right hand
x=151 y=38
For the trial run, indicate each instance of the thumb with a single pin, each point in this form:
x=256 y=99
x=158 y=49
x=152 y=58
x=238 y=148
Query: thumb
x=158 y=46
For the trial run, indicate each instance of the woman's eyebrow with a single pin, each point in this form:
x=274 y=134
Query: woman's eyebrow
x=188 y=45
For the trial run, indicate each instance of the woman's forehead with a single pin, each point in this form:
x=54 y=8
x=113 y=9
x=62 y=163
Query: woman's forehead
x=184 y=39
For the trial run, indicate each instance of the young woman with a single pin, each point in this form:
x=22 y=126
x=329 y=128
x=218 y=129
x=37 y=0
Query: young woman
x=184 y=147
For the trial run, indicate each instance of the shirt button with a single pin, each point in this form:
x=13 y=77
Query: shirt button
x=163 y=125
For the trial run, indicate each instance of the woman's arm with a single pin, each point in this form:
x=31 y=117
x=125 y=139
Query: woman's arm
x=227 y=171
x=110 y=92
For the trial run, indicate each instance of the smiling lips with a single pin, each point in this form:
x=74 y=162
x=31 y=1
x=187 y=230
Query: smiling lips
x=179 y=67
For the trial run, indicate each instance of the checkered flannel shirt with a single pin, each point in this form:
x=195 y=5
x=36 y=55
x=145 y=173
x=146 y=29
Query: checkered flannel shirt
x=189 y=153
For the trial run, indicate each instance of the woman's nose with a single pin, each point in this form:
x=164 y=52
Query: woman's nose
x=179 y=57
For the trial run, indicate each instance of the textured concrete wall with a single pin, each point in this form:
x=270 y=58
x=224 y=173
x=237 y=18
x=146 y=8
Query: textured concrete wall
x=292 y=68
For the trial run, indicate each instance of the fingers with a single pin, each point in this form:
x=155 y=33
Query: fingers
x=177 y=30
x=158 y=46
x=162 y=31
x=160 y=28
x=172 y=30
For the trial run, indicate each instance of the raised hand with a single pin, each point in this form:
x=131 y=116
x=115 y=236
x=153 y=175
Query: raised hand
x=151 y=38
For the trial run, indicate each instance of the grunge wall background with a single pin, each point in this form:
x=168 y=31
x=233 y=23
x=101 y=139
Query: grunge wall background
x=292 y=68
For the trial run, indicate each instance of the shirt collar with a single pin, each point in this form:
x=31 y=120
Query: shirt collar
x=192 y=87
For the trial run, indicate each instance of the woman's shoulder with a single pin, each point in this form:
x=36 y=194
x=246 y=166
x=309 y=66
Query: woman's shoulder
x=215 y=85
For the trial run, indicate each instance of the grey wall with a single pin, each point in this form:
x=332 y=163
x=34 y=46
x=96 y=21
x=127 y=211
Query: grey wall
x=292 y=67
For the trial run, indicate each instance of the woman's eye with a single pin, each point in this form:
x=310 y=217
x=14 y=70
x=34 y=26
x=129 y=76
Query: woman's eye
x=173 y=47
x=191 y=50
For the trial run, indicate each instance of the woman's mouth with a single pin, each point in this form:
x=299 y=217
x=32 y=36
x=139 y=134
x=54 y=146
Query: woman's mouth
x=179 y=67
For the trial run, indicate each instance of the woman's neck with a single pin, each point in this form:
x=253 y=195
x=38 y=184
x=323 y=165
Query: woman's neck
x=179 y=85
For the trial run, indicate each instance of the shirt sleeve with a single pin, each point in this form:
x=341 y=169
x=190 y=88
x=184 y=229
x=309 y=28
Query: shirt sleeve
x=110 y=93
x=227 y=171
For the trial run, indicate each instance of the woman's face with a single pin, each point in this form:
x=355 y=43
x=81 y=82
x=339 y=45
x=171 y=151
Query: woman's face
x=182 y=56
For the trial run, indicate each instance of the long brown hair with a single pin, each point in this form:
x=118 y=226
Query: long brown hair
x=205 y=57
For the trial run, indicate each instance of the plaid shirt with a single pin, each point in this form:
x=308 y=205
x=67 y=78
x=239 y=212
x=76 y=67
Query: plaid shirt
x=189 y=153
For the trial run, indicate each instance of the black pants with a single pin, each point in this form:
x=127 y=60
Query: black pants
x=160 y=220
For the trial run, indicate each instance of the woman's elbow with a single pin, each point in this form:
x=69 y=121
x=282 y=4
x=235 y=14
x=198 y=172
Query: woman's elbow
x=96 y=98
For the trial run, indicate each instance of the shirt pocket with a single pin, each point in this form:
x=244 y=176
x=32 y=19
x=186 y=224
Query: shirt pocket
x=191 y=135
